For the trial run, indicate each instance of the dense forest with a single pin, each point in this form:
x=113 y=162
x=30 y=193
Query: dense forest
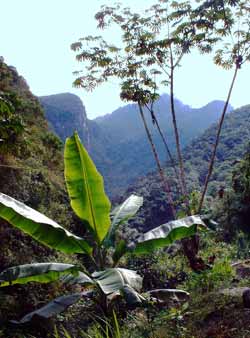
x=137 y=223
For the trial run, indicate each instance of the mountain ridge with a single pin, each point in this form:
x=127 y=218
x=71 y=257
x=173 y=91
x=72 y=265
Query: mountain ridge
x=117 y=141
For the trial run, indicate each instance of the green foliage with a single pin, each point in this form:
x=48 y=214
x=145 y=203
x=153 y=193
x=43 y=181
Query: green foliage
x=233 y=146
x=221 y=274
x=105 y=328
x=11 y=124
x=52 y=141
x=233 y=209
x=88 y=200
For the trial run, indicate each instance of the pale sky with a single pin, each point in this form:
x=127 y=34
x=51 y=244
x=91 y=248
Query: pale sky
x=35 y=37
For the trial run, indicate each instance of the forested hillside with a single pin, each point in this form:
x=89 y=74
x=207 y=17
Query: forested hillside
x=234 y=143
x=118 y=140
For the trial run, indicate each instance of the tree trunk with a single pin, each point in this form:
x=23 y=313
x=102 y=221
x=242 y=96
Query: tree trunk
x=172 y=161
x=176 y=133
x=190 y=245
x=164 y=179
x=212 y=160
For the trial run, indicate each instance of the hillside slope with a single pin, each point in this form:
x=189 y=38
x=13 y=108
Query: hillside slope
x=30 y=170
x=234 y=143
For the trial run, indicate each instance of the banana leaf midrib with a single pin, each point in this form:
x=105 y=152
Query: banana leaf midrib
x=87 y=188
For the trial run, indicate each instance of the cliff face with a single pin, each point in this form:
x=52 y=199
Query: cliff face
x=65 y=114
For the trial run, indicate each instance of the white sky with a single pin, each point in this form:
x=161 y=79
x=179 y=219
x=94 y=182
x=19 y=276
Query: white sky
x=35 y=37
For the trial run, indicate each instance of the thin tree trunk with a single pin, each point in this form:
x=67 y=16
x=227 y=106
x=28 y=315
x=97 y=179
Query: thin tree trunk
x=172 y=161
x=212 y=160
x=167 y=150
x=176 y=132
x=160 y=170
x=190 y=245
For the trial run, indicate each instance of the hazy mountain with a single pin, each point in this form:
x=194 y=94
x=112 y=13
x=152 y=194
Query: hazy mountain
x=117 y=141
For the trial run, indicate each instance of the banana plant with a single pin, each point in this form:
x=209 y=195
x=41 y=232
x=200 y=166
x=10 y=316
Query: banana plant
x=90 y=203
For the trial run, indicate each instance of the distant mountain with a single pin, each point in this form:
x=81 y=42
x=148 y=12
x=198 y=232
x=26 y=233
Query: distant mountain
x=234 y=143
x=117 y=141
x=124 y=124
x=65 y=113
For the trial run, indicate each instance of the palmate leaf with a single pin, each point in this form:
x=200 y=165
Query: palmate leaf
x=85 y=188
x=53 y=308
x=40 y=227
x=166 y=234
x=36 y=272
x=121 y=214
x=113 y=280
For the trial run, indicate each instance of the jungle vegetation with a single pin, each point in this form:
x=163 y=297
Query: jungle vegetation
x=195 y=288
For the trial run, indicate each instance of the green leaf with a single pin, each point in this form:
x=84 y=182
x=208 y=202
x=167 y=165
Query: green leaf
x=53 y=308
x=168 y=295
x=81 y=278
x=121 y=214
x=36 y=272
x=41 y=227
x=113 y=280
x=85 y=188
x=166 y=234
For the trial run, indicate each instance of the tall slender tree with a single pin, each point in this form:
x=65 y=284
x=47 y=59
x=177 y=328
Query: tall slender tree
x=233 y=53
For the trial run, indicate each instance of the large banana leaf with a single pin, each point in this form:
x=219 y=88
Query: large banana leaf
x=36 y=272
x=85 y=188
x=53 y=308
x=121 y=214
x=41 y=227
x=113 y=280
x=166 y=234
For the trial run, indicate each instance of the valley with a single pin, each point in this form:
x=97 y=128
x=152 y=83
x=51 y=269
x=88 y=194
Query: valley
x=117 y=142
